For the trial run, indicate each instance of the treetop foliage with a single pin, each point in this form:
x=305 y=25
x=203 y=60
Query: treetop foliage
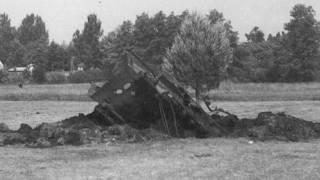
x=215 y=16
x=86 y=44
x=255 y=35
x=32 y=29
x=303 y=43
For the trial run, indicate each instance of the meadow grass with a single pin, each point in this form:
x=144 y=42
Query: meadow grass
x=218 y=158
x=266 y=92
x=227 y=92
x=54 y=92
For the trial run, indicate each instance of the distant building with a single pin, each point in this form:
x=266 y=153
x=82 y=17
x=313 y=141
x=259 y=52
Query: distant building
x=17 y=69
x=30 y=68
x=81 y=67
x=17 y=72
x=1 y=66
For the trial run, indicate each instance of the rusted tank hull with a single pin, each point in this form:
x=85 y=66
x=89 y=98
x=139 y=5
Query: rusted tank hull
x=143 y=99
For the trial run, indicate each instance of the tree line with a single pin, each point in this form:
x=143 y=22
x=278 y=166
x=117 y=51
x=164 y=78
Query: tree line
x=292 y=55
x=289 y=56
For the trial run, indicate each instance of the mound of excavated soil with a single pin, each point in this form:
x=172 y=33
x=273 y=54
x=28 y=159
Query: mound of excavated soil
x=76 y=130
x=269 y=126
x=81 y=129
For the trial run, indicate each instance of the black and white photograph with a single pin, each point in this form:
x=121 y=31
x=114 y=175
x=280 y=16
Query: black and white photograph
x=159 y=89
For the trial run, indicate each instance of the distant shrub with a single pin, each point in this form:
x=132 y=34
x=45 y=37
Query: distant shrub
x=56 y=77
x=15 y=78
x=92 y=75
x=39 y=74
x=3 y=76
x=26 y=75
x=78 y=77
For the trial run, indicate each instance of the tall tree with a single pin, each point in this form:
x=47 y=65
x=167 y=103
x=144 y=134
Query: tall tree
x=255 y=35
x=143 y=33
x=7 y=36
x=270 y=37
x=32 y=29
x=200 y=53
x=158 y=44
x=87 y=43
x=7 y=32
x=303 y=42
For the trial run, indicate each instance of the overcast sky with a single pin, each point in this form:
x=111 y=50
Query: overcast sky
x=63 y=17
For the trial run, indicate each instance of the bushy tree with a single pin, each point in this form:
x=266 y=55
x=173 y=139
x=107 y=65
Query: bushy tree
x=32 y=43
x=200 y=53
x=32 y=29
x=252 y=61
x=303 y=43
x=86 y=44
x=3 y=76
x=7 y=36
x=39 y=74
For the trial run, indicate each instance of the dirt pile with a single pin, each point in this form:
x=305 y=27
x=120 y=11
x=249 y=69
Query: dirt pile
x=270 y=126
x=76 y=130
x=84 y=129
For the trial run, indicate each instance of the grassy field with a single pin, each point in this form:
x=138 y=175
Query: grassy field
x=218 y=158
x=55 y=92
x=227 y=92
x=266 y=92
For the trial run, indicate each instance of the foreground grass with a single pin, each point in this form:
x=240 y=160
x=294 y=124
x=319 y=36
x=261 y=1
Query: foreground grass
x=172 y=159
x=227 y=92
